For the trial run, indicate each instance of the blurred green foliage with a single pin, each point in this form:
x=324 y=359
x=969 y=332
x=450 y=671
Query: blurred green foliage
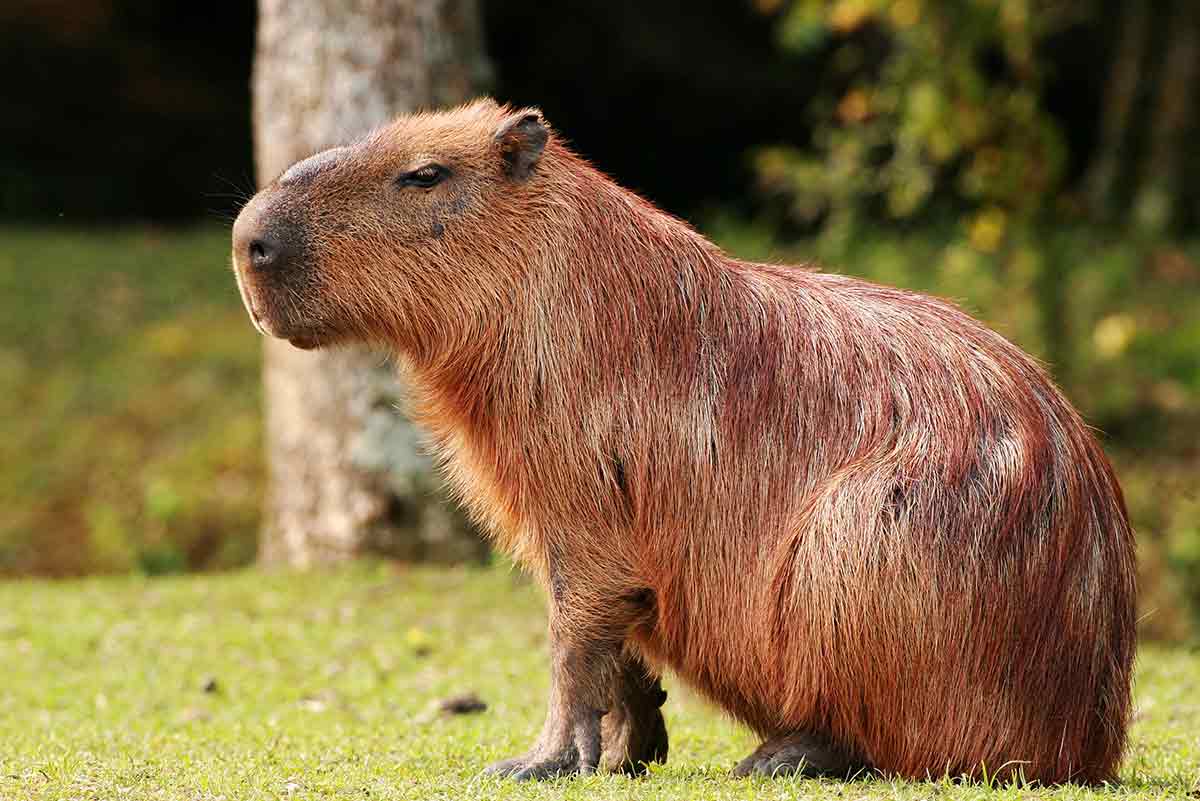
x=129 y=420
x=931 y=106
x=915 y=112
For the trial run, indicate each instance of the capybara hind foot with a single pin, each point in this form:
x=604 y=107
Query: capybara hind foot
x=800 y=753
x=634 y=732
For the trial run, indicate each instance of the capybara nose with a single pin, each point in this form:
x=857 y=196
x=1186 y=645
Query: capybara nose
x=265 y=253
x=263 y=241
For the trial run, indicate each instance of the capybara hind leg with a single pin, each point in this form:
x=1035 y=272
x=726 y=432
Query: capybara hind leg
x=633 y=732
x=800 y=753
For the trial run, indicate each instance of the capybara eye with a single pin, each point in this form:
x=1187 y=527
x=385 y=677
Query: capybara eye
x=424 y=177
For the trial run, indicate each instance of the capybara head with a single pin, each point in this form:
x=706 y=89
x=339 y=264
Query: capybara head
x=372 y=240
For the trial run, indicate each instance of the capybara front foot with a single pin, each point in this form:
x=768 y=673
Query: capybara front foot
x=539 y=766
x=634 y=732
x=569 y=745
x=799 y=753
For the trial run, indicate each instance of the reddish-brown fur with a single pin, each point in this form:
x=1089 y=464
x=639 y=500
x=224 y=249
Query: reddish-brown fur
x=830 y=506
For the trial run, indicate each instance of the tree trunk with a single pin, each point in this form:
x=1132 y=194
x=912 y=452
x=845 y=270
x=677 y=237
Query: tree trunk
x=345 y=476
x=1158 y=199
x=1119 y=100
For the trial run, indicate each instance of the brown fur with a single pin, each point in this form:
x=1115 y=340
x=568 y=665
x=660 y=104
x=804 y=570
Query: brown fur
x=835 y=508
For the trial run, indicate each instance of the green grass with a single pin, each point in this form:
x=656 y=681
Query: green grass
x=324 y=686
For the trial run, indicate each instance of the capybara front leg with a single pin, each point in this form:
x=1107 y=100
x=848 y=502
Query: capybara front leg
x=633 y=732
x=801 y=753
x=589 y=624
x=570 y=740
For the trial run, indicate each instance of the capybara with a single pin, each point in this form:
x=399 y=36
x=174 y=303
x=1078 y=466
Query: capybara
x=853 y=517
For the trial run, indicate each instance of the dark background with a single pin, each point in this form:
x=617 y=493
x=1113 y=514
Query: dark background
x=137 y=110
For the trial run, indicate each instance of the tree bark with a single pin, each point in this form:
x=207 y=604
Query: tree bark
x=1161 y=187
x=1119 y=99
x=345 y=475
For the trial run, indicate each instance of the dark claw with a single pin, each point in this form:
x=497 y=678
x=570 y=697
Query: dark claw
x=559 y=766
x=505 y=767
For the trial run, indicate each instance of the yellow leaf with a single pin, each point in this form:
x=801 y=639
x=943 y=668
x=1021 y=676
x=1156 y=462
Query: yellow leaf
x=1113 y=334
x=854 y=107
x=987 y=230
x=906 y=13
x=416 y=638
x=847 y=16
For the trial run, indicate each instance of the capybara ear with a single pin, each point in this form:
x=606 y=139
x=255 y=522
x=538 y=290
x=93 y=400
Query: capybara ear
x=521 y=137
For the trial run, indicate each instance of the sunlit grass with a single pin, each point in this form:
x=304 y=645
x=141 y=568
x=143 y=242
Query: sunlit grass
x=323 y=686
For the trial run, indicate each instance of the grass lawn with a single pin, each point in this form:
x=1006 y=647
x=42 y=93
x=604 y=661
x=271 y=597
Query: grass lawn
x=262 y=686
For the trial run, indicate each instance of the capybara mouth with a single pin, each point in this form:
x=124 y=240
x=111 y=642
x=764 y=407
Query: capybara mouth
x=267 y=324
x=248 y=301
x=256 y=318
x=301 y=334
x=304 y=341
